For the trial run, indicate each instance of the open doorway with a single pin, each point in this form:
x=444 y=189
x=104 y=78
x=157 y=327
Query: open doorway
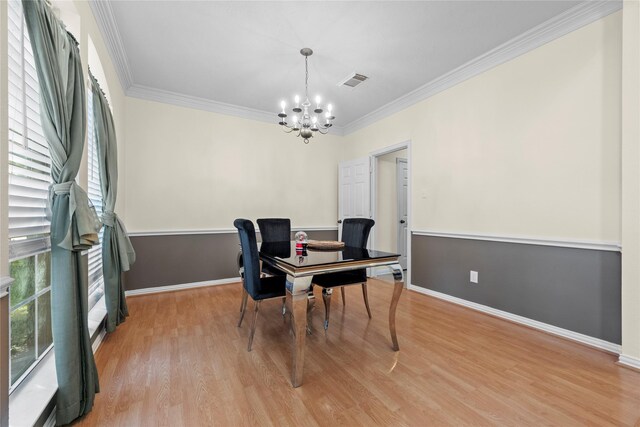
x=390 y=185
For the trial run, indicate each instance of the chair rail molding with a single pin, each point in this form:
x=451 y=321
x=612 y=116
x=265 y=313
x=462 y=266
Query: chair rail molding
x=561 y=243
x=219 y=231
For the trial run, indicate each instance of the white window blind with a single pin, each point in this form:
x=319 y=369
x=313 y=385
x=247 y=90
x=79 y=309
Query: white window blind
x=96 y=279
x=29 y=161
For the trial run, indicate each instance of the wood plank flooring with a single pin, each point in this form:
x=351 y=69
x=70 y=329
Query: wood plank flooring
x=180 y=360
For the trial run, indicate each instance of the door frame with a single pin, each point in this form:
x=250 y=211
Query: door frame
x=373 y=199
x=399 y=206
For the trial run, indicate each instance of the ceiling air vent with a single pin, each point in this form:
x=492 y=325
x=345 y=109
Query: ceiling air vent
x=353 y=80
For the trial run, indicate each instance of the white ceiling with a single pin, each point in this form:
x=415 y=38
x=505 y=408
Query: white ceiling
x=247 y=53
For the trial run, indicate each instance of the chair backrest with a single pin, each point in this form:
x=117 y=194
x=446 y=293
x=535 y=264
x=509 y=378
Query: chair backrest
x=275 y=229
x=250 y=259
x=355 y=231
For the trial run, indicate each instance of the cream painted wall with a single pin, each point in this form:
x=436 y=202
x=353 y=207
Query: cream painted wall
x=386 y=227
x=529 y=148
x=191 y=170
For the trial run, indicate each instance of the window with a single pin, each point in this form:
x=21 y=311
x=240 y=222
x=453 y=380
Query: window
x=29 y=179
x=96 y=280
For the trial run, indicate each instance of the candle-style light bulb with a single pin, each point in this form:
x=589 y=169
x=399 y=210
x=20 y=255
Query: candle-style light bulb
x=283 y=104
x=297 y=98
x=318 y=110
x=295 y=119
x=330 y=115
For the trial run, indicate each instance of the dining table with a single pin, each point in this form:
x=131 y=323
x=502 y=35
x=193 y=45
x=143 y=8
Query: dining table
x=300 y=265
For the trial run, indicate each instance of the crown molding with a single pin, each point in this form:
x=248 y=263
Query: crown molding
x=103 y=15
x=188 y=101
x=558 y=26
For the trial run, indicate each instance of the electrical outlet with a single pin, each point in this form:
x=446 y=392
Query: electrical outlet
x=473 y=276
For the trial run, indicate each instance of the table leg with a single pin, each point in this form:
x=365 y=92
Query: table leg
x=398 y=278
x=297 y=290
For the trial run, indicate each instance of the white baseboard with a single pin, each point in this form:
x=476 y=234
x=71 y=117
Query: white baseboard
x=629 y=361
x=564 y=333
x=51 y=421
x=96 y=344
x=182 y=286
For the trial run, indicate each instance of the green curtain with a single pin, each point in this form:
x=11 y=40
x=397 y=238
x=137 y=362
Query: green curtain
x=117 y=251
x=74 y=223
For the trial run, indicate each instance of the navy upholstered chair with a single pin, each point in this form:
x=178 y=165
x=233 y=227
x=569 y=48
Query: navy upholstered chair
x=274 y=230
x=355 y=234
x=258 y=288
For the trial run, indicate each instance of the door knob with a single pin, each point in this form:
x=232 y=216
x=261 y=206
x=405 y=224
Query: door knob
x=402 y=221
x=339 y=221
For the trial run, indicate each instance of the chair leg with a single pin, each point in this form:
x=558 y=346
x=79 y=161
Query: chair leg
x=284 y=307
x=311 y=303
x=366 y=299
x=344 y=301
x=243 y=293
x=256 y=305
x=243 y=305
x=326 y=296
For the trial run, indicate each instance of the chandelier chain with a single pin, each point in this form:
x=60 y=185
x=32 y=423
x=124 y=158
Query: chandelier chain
x=306 y=77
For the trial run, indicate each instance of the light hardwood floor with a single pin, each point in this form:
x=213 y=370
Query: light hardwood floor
x=180 y=360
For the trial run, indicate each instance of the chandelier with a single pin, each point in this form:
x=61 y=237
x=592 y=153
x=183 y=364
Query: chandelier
x=306 y=121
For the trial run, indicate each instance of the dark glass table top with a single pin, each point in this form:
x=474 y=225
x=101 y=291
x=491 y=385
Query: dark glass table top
x=286 y=252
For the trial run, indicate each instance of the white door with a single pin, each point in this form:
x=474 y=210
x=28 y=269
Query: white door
x=354 y=190
x=402 y=180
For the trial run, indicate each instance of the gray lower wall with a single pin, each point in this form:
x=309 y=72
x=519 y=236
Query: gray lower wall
x=188 y=258
x=574 y=289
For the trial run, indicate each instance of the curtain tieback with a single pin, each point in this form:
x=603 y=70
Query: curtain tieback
x=126 y=253
x=83 y=225
x=63 y=187
x=109 y=218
